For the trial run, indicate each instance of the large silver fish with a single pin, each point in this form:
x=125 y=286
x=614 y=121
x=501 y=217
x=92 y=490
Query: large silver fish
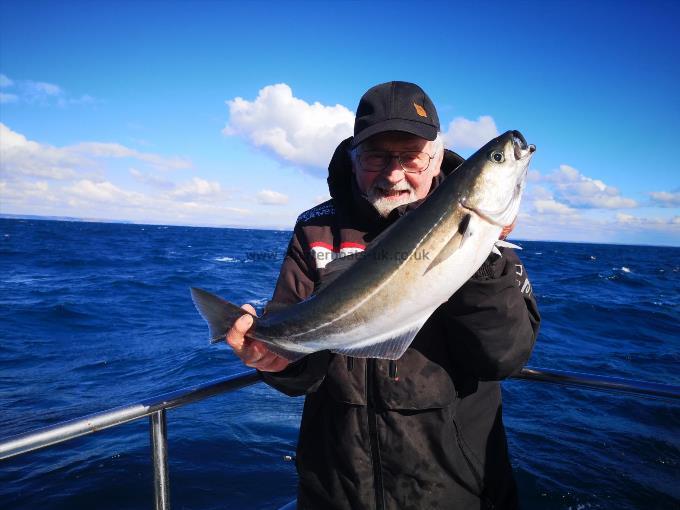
x=380 y=299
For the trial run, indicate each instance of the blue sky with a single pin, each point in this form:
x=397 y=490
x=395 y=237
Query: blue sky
x=131 y=110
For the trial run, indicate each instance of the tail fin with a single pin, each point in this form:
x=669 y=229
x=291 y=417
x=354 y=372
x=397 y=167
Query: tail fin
x=218 y=313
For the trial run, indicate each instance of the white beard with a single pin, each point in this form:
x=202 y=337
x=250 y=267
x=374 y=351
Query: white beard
x=384 y=205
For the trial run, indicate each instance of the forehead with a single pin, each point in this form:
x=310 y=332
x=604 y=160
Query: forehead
x=396 y=141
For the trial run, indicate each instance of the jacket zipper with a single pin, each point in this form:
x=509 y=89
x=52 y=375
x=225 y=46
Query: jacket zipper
x=373 y=436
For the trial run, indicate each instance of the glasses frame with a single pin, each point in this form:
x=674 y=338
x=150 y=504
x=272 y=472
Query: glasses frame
x=398 y=156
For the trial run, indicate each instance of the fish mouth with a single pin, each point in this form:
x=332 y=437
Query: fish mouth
x=520 y=146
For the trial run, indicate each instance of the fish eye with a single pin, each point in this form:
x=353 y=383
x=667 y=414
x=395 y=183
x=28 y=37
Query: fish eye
x=497 y=156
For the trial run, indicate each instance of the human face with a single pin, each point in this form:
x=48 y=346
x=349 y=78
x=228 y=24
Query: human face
x=393 y=187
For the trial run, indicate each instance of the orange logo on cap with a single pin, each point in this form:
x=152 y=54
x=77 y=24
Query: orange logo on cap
x=420 y=110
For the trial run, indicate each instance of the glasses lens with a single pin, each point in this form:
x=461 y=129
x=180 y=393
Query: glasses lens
x=414 y=161
x=410 y=161
x=374 y=161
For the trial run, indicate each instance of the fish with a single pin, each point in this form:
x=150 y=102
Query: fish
x=375 y=302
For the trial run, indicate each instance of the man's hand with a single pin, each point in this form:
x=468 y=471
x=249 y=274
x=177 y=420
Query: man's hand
x=253 y=353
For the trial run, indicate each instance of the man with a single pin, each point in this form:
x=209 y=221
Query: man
x=424 y=431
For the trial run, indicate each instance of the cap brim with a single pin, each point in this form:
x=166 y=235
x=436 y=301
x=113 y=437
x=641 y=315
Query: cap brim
x=426 y=131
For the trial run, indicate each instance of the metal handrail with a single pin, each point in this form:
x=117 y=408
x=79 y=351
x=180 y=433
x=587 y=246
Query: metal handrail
x=155 y=407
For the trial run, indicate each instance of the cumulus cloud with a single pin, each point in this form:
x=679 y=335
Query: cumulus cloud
x=639 y=221
x=20 y=156
x=576 y=190
x=36 y=178
x=665 y=198
x=103 y=191
x=294 y=130
x=540 y=200
x=269 y=197
x=463 y=133
x=198 y=188
x=551 y=206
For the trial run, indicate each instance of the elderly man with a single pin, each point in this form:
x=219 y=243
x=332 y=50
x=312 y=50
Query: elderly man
x=424 y=431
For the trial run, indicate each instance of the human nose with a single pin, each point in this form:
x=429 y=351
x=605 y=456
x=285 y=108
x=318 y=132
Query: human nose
x=394 y=171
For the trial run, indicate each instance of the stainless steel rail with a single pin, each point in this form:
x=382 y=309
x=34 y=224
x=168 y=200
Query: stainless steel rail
x=155 y=407
x=599 y=382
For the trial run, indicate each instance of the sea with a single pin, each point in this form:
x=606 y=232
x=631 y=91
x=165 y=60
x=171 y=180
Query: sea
x=98 y=315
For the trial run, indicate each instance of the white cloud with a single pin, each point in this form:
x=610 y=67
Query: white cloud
x=576 y=190
x=116 y=150
x=150 y=179
x=103 y=191
x=5 y=81
x=470 y=134
x=551 y=206
x=319 y=199
x=20 y=156
x=269 y=197
x=41 y=88
x=294 y=130
x=36 y=178
x=25 y=190
x=8 y=98
x=665 y=198
x=197 y=188
x=40 y=92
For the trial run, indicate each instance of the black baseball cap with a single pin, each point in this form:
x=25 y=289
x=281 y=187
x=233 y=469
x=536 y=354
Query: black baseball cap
x=395 y=106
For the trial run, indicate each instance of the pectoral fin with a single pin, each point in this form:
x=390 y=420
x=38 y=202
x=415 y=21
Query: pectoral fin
x=504 y=244
x=456 y=242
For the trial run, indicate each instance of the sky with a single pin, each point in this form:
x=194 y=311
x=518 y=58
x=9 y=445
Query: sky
x=227 y=113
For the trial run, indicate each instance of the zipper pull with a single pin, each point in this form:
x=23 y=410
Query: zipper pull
x=350 y=363
x=393 y=369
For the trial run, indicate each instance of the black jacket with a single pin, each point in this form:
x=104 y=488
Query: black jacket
x=425 y=431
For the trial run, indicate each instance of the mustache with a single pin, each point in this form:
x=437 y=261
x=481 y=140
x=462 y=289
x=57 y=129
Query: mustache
x=387 y=187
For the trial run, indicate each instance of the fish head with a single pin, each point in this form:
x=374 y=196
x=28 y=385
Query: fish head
x=501 y=168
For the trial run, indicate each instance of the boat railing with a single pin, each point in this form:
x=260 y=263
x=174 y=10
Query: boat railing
x=155 y=408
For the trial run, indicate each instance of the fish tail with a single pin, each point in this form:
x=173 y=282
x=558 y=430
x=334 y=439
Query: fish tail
x=218 y=313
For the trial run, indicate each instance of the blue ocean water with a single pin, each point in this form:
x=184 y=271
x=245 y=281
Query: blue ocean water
x=98 y=315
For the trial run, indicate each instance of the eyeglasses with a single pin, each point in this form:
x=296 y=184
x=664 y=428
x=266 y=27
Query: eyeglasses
x=412 y=162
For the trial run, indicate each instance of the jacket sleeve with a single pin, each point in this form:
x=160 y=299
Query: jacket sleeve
x=296 y=283
x=493 y=320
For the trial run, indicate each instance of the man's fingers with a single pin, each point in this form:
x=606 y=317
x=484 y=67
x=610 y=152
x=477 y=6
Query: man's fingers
x=236 y=335
x=252 y=352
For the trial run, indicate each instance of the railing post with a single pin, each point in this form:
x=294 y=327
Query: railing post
x=159 y=454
